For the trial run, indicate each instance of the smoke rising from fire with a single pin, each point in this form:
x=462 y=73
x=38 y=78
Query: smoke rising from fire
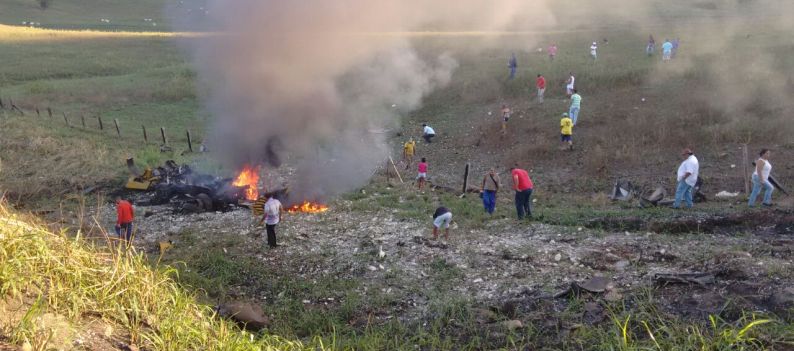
x=312 y=83
x=318 y=85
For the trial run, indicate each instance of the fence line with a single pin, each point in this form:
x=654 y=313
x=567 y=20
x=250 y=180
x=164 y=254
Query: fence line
x=10 y=106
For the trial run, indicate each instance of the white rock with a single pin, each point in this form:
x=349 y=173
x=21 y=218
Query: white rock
x=478 y=280
x=372 y=268
x=557 y=257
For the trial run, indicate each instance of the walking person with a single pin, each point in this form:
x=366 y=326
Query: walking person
x=505 y=117
x=442 y=217
x=594 y=51
x=490 y=186
x=540 y=84
x=513 y=65
x=667 y=50
x=651 y=47
x=566 y=131
x=271 y=218
x=421 y=177
x=552 y=51
x=576 y=103
x=687 y=177
x=428 y=133
x=408 y=152
x=523 y=186
x=569 y=87
x=761 y=179
x=125 y=214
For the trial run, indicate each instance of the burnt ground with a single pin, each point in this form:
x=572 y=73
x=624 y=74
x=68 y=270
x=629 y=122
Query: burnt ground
x=512 y=269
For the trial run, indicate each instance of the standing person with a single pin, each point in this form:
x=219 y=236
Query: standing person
x=687 y=178
x=513 y=65
x=505 y=117
x=540 y=84
x=651 y=46
x=593 y=51
x=421 y=177
x=566 y=131
x=125 y=214
x=442 y=217
x=490 y=186
x=523 y=188
x=667 y=50
x=271 y=218
x=552 y=51
x=408 y=152
x=676 y=41
x=428 y=133
x=761 y=179
x=576 y=102
x=569 y=87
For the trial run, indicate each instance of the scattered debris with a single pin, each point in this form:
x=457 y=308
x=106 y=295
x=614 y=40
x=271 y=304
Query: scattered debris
x=722 y=195
x=622 y=191
x=684 y=278
x=247 y=315
x=595 y=285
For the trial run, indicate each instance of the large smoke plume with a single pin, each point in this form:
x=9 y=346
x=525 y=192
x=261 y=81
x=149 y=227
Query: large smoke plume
x=317 y=83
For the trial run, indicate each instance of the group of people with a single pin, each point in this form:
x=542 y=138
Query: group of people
x=669 y=48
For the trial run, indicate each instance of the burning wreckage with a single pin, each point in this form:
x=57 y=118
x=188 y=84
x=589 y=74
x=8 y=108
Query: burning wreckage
x=193 y=192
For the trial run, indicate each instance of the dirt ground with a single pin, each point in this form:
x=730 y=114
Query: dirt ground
x=512 y=267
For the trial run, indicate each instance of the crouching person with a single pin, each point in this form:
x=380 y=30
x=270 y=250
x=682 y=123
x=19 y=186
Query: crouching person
x=441 y=218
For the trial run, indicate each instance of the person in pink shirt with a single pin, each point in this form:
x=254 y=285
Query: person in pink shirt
x=552 y=51
x=422 y=176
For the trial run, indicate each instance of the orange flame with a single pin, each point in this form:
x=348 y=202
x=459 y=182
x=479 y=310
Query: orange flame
x=308 y=207
x=249 y=177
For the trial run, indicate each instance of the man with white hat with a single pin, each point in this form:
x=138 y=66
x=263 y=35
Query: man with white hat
x=593 y=49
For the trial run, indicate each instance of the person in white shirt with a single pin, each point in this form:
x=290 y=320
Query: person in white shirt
x=271 y=217
x=593 y=49
x=570 y=84
x=428 y=133
x=687 y=178
x=761 y=179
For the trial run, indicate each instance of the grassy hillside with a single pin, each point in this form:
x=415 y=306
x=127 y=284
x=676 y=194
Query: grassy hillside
x=123 y=15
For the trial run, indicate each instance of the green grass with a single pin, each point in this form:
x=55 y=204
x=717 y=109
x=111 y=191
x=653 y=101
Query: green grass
x=124 y=15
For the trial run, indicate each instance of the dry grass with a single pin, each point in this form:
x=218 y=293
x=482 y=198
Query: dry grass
x=27 y=34
x=50 y=272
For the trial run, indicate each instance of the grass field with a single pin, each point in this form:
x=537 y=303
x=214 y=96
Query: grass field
x=717 y=95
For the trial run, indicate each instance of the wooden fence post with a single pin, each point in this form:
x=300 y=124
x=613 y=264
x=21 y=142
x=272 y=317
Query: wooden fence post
x=145 y=138
x=116 y=122
x=49 y=112
x=189 y=142
x=745 y=161
x=466 y=179
x=37 y=112
x=82 y=120
x=2 y=106
x=66 y=119
x=99 y=119
x=162 y=133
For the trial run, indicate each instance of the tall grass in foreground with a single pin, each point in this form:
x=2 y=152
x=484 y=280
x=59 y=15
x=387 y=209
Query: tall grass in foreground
x=51 y=272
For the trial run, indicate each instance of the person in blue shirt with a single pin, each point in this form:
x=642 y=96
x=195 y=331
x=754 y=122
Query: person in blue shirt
x=513 y=65
x=667 y=50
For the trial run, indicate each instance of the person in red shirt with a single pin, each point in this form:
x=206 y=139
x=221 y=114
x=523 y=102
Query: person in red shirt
x=124 y=216
x=541 y=85
x=523 y=187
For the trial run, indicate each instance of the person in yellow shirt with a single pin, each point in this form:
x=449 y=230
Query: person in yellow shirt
x=566 y=131
x=408 y=152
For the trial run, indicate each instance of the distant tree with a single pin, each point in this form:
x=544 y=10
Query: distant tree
x=44 y=4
